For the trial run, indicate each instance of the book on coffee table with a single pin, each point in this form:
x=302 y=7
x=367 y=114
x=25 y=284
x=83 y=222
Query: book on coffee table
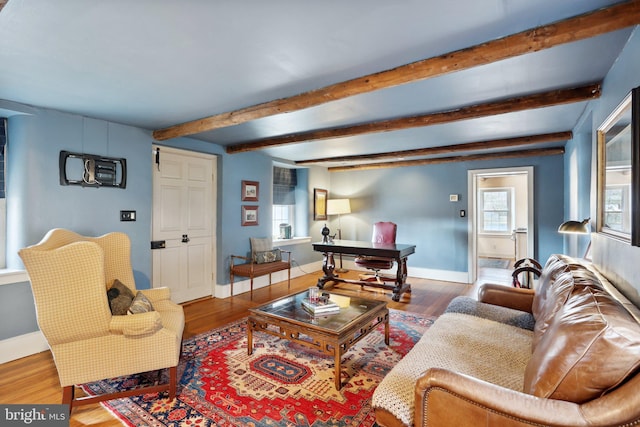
x=320 y=307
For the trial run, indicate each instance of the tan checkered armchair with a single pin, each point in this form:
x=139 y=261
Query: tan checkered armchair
x=69 y=276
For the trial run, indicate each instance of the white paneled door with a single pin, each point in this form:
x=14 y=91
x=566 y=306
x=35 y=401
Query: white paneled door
x=183 y=223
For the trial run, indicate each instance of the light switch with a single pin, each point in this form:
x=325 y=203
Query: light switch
x=127 y=215
x=453 y=197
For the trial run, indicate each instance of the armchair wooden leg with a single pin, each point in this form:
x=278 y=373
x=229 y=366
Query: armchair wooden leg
x=173 y=382
x=67 y=396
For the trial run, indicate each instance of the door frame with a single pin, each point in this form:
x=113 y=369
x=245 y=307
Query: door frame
x=213 y=158
x=472 y=182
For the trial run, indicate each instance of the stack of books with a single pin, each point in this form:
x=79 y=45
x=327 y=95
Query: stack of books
x=320 y=308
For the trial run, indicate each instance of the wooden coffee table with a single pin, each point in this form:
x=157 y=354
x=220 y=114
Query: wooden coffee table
x=332 y=334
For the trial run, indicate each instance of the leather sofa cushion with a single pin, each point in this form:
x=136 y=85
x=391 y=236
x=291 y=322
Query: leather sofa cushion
x=566 y=282
x=591 y=346
x=556 y=264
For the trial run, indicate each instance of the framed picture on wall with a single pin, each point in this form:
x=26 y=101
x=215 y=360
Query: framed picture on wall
x=249 y=215
x=319 y=204
x=250 y=191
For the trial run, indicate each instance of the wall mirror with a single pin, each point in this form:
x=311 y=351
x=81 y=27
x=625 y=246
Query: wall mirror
x=618 y=172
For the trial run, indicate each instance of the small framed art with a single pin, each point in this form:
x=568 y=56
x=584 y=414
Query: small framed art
x=250 y=191
x=319 y=204
x=249 y=215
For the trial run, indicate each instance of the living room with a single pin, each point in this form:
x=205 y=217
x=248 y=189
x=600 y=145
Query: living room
x=417 y=198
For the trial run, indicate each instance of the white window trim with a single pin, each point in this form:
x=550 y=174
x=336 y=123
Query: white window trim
x=292 y=241
x=10 y=276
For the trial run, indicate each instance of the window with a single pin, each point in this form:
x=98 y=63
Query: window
x=616 y=209
x=496 y=213
x=285 y=181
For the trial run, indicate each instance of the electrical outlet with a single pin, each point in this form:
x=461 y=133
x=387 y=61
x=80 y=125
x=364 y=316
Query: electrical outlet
x=127 y=215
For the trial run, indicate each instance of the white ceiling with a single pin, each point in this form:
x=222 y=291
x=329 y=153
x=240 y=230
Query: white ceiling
x=158 y=63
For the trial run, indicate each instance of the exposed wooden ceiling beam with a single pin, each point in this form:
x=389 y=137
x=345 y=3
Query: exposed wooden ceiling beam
x=456 y=148
x=520 y=103
x=487 y=156
x=576 y=28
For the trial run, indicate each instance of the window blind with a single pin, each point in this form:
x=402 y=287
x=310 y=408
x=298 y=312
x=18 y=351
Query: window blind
x=284 y=186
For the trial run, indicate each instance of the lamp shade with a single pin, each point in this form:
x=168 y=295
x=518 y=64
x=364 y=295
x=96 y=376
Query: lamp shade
x=575 y=227
x=338 y=206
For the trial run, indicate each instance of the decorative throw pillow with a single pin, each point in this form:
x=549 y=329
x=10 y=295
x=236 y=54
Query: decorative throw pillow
x=119 y=297
x=267 y=256
x=140 y=304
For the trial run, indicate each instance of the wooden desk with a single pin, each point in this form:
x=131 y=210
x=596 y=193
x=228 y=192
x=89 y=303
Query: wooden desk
x=399 y=252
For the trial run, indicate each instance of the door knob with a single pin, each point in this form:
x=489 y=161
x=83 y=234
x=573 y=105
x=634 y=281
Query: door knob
x=185 y=238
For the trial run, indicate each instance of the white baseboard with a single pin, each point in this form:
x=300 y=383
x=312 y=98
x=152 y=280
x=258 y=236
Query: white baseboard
x=441 y=275
x=420 y=273
x=22 y=346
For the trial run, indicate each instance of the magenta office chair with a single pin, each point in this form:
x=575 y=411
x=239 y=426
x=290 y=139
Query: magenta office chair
x=383 y=232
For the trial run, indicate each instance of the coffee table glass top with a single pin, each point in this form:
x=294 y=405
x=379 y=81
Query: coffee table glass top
x=290 y=308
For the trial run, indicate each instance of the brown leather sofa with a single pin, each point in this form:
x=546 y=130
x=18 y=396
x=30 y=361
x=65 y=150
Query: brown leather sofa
x=479 y=364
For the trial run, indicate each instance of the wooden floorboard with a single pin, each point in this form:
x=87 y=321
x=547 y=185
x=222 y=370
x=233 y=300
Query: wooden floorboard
x=33 y=379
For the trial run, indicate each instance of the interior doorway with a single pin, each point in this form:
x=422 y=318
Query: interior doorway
x=500 y=222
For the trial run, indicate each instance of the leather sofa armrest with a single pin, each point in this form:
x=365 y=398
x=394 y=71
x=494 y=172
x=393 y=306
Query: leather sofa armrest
x=445 y=398
x=516 y=298
x=136 y=324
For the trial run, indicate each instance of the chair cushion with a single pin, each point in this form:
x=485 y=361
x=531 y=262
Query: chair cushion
x=592 y=345
x=376 y=263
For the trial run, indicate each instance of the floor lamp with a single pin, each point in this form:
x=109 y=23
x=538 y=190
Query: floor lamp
x=577 y=227
x=339 y=207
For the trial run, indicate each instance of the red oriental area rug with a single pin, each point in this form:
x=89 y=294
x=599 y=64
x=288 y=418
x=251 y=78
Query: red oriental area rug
x=280 y=384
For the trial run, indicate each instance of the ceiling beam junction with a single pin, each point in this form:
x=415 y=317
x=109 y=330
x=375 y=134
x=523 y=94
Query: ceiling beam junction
x=511 y=105
x=455 y=148
x=569 y=30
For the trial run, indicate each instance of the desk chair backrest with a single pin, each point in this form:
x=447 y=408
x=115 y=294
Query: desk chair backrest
x=384 y=232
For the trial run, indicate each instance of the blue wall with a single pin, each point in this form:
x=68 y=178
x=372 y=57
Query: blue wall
x=417 y=199
x=36 y=202
x=577 y=192
x=618 y=260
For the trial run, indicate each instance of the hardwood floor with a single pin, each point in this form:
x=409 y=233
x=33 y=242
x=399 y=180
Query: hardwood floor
x=33 y=379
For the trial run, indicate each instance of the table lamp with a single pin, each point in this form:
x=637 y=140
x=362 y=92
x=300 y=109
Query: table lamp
x=339 y=207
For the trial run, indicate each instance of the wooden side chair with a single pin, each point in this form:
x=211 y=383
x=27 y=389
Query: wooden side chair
x=264 y=259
